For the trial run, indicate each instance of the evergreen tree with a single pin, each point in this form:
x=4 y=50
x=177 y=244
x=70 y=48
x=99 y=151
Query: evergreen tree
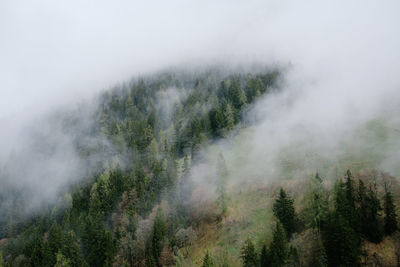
x=316 y=206
x=374 y=229
x=236 y=94
x=61 y=261
x=284 y=211
x=222 y=176
x=368 y=212
x=72 y=251
x=207 y=261
x=279 y=247
x=293 y=257
x=319 y=257
x=264 y=257
x=341 y=242
x=36 y=258
x=159 y=235
x=249 y=254
x=345 y=203
x=54 y=243
x=390 y=214
x=229 y=117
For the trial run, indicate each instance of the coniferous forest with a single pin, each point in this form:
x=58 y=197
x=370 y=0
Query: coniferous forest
x=139 y=203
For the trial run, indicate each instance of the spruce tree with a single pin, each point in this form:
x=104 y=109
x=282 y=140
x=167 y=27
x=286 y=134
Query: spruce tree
x=278 y=249
x=284 y=211
x=264 y=257
x=207 y=261
x=159 y=235
x=249 y=254
x=341 y=242
x=390 y=220
x=316 y=207
x=373 y=229
x=345 y=202
x=319 y=257
x=61 y=260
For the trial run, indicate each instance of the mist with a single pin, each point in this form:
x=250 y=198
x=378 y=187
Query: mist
x=343 y=75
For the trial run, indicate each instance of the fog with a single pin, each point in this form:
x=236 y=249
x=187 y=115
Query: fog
x=343 y=57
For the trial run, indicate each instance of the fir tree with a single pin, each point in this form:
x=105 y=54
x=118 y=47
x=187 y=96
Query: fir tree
x=316 y=209
x=341 y=242
x=207 y=261
x=159 y=235
x=264 y=257
x=249 y=254
x=279 y=247
x=319 y=257
x=61 y=260
x=390 y=214
x=284 y=211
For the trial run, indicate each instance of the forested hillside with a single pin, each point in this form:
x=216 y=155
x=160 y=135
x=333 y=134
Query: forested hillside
x=154 y=125
x=141 y=203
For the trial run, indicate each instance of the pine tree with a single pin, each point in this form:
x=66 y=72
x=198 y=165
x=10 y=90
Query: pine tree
x=249 y=254
x=207 y=261
x=390 y=214
x=284 y=211
x=279 y=247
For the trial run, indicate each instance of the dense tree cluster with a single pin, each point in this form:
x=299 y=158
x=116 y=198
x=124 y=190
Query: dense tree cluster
x=152 y=123
x=355 y=217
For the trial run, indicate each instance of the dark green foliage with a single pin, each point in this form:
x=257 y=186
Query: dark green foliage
x=317 y=204
x=54 y=243
x=293 y=257
x=369 y=207
x=341 y=242
x=345 y=202
x=284 y=211
x=390 y=214
x=264 y=257
x=207 y=261
x=319 y=257
x=278 y=249
x=159 y=235
x=147 y=138
x=97 y=241
x=36 y=256
x=249 y=254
